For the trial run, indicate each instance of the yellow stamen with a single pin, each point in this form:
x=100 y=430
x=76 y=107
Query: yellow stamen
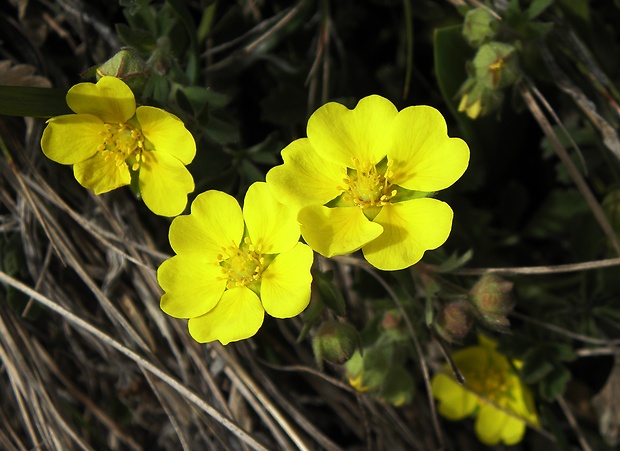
x=242 y=265
x=122 y=142
x=367 y=186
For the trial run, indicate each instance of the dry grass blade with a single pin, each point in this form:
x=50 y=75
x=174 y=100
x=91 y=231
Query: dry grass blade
x=148 y=366
x=579 y=181
x=533 y=270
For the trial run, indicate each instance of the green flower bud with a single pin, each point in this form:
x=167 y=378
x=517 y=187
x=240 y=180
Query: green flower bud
x=496 y=65
x=494 y=299
x=128 y=66
x=477 y=100
x=479 y=26
x=454 y=321
x=334 y=342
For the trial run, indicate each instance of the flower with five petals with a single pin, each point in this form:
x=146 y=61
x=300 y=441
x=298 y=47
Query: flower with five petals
x=362 y=180
x=233 y=265
x=109 y=141
x=492 y=391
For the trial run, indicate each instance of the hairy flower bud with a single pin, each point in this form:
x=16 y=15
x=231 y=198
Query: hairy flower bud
x=479 y=26
x=128 y=66
x=494 y=299
x=454 y=321
x=335 y=342
x=496 y=65
x=478 y=100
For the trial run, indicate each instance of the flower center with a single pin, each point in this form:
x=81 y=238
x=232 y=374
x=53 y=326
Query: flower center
x=492 y=384
x=241 y=265
x=367 y=185
x=123 y=144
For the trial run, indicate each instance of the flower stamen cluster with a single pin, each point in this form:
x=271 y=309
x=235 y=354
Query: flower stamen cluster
x=491 y=384
x=122 y=142
x=368 y=185
x=241 y=265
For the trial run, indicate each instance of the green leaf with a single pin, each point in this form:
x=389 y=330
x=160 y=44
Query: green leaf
x=222 y=132
x=563 y=352
x=579 y=9
x=537 y=7
x=132 y=6
x=143 y=41
x=331 y=296
x=451 y=54
x=35 y=102
x=455 y=261
x=536 y=366
x=554 y=384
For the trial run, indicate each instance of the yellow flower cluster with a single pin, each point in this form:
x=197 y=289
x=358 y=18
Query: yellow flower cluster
x=362 y=179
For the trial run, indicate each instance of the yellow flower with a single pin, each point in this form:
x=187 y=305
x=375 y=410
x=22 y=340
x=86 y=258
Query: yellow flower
x=362 y=177
x=503 y=405
x=109 y=141
x=233 y=265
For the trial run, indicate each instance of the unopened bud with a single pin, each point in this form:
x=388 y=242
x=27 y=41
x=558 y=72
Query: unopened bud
x=391 y=320
x=479 y=26
x=454 y=321
x=496 y=65
x=335 y=342
x=494 y=299
x=478 y=100
x=128 y=66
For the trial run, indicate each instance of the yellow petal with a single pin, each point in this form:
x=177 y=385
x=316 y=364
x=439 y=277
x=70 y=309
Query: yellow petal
x=455 y=403
x=471 y=360
x=425 y=159
x=285 y=284
x=100 y=175
x=341 y=135
x=193 y=285
x=409 y=229
x=110 y=99
x=167 y=133
x=272 y=226
x=215 y=222
x=237 y=316
x=164 y=183
x=336 y=231
x=72 y=138
x=493 y=425
x=305 y=178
